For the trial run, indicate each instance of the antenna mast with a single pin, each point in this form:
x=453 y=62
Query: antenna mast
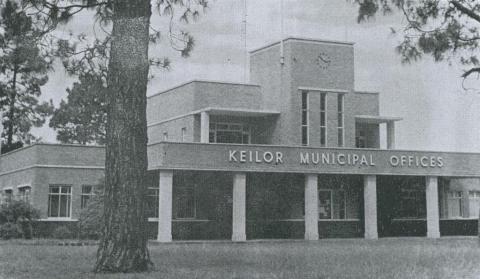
x=244 y=33
x=282 y=32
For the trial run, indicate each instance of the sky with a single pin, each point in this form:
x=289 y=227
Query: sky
x=438 y=114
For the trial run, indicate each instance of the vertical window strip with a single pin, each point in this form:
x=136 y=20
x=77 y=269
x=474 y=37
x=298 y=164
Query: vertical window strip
x=184 y=134
x=323 y=119
x=341 y=120
x=305 y=121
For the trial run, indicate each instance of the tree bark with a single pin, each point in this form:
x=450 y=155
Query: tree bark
x=11 y=112
x=123 y=247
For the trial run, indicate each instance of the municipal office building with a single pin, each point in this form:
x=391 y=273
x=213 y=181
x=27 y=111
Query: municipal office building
x=294 y=154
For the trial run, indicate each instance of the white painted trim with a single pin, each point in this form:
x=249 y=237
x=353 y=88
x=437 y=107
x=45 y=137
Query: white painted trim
x=302 y=40
x=323 y=90
x=153 y=219
x=340 y=220
x=58 y=219
x=320 y=171
x=52 y=166
x=210 y=109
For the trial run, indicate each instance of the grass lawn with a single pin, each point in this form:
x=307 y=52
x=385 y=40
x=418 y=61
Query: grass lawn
x=347 y=258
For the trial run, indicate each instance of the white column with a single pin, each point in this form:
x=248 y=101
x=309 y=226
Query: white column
x=204 y=127
x=311 y=207
x=390 y=135
x=433 y=220
x=239 y=207
x=370 y=203
x=165 y=206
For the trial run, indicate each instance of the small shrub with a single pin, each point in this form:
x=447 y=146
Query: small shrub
x=19 y=214
x=9 y=230
x=62 y=232
x=91 y=217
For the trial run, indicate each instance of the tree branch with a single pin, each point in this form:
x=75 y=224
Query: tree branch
x=466 y=10
x=471 y=71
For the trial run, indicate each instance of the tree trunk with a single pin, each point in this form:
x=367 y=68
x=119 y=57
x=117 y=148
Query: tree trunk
x=11 y=112
x=123 y=247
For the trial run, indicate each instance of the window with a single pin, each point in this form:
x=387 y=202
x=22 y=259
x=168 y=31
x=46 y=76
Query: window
x=323 y=119
x=473 y=203
x=332 y=204
x=165 y=136
x=87 y=193
x=340 y=125
x=229 y=133
x=455 y=204
x=184 y=134
x=412 y=203
x=24 y=193
x=361 y=139
x=325 y=204
x=304 y=118
x=152 y=202
x=8 y=196
x=59 y=201
x=184 y=202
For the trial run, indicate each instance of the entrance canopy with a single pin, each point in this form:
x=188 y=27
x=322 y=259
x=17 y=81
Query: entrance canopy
x=294 y=159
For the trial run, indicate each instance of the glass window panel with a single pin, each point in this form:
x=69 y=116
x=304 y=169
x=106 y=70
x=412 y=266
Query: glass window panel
x=87 y=189
x=340 y=137
x=323 y=135
x=54 y=189
x=304 y=100
x=322 y=101
x=340 y=102
x=53 y=202
x=304 y=118
x=304 y=135
x=341 y=204
x=63 y=206
x=325 y=204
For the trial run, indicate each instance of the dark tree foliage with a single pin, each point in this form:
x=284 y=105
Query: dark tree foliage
x=23 y=70
x=125 y=43
x=445 y=30
x=82 y=118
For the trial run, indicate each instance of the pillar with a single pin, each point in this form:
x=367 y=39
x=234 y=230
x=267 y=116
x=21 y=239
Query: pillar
x=311 y=207
x=370 y=203
x=239 y=207
x=390 y=135
x=204 y=127
x=165 y=206
x=433 y=220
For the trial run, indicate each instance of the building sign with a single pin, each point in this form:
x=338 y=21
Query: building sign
x=262 y=158
x=331 y=158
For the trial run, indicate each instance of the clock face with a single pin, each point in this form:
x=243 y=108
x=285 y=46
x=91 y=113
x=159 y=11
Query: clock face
x=323 y=60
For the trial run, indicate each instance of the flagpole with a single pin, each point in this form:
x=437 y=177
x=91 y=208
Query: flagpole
x=282 y=32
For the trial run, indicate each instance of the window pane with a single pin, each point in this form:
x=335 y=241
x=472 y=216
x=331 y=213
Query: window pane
x=63 y=206
x=87 y=189
x=304 y=118
x=54 y=189
x=65 y=190
x=323 y=135
x=304 y=100
x=84 y=201
x=322 y=119
x=304 y=135
x=340 y=137
x=184 y=205
x=53 y=201
x=341 y=204
x=322 y=101
x=340 y=102
x=325 y=204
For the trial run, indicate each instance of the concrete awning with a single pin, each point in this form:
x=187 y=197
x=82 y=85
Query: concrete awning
x=375 y=119
x=239 y=112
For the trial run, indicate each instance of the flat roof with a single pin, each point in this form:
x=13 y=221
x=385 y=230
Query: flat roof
x=302 y=39
x=376 y=119
x=240 y=111
x=202 y=81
